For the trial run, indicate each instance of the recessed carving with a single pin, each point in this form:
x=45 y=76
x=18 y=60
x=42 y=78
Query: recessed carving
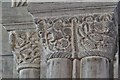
x=84 y=35
x=25 y=46
x=98 y=35
x=55 y=35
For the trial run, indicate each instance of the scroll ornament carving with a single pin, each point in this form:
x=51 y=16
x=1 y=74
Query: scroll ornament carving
x=97 y=36
x=25 y=47
x=86 y=35
x=55 y=35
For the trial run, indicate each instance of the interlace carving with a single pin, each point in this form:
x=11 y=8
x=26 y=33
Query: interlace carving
x=81 y=35
x=25 y=46
x=56 y=35
x=97 y=35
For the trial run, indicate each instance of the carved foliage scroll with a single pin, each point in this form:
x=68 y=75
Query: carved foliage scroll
x=97 y=35
x=25 y=47
x=56 y=35
x=91 y=34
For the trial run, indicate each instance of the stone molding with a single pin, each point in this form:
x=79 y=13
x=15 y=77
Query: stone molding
x=38 y=9
x=17 y=18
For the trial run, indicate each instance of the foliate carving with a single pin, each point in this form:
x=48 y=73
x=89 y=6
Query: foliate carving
x=25 y=46
x=97 y=35
x=81 y=35
x=56 y=35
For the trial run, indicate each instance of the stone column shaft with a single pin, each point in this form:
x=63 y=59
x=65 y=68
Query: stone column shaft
x=76 y=69
x=94 y=67
x=59 y=68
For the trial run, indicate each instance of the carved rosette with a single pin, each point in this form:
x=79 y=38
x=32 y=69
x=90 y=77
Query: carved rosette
x=78 y=36
x=25 y=47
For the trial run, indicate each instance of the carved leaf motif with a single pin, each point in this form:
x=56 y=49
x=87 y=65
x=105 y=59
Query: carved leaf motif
x=106 y=44
x=100 y=27
x=67 y=32
x=21 y=40
x=89 y=18
x=62 y=43
x=97 y=32
x=105 y=17
x=61 y=34
x=85 y=28
x=58 y=26
x=88 y=44
x=50 y=37
x=26 y=47
x=58 y=34
x=96 y=37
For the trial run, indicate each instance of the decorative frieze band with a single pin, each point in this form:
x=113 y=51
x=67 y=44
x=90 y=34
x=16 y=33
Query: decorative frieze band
x=59 y=55
x=25 y=47
x=79 y=36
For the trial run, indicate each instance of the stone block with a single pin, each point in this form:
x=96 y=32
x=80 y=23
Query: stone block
x=5 y=43
x=7 y=66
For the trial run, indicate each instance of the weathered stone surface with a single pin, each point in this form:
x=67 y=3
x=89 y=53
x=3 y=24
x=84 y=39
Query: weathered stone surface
x=15 y=72
x=72 y=1
x=1 y=67
x=17 y=18
x=59 y=68
x=78 y=36
x=0 y=39
x=68 y=32
x=59 y=45
x=97 y=36
x=43 y=64
x=7 y=66
x=94 y=67
x=76 y=31
x=29 y=73
x=60 y=9
x=116 y=65
x=5 y=43
x=76 y=68
x=25 y=48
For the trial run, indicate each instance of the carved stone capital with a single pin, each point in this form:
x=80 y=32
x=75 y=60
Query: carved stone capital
x=25 y=47
x=97 y=36
x=78 y=36
x=56 y=37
